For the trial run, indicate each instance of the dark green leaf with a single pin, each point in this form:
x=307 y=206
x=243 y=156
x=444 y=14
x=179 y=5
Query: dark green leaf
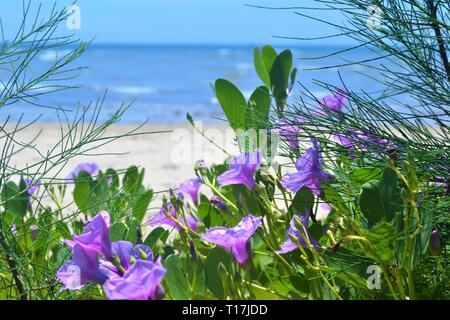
x=213 y=278
x=118 y=232
x=263 y=61
x=175 y=280
x=279 y=76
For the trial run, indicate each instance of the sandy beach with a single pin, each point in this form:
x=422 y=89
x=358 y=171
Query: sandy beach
x=168 y=155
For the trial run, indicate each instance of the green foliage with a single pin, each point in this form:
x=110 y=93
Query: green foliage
x=15 y=199
x=232 y=101
x=175 y=279
x=216 y=262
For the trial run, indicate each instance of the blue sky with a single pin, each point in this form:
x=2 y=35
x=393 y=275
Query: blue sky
x=185 y=21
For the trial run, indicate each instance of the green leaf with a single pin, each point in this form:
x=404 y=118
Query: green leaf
x=134 y=225
x=263 y=61
x=216 y=257
x=15 y=198
x=112 y=175
x=175 y=279
x=118 y=231
x=233 y=103
x=141 y=204
x=156 y=234
x=279 y=76
x=264 y=294
x=382 y=238
x=303 y=201
x=132 y=180
x=360 y=176
x=390 y=193
x=371 y=202
x=82 y=190
x=258 y=108
x=293 y=76
x=349 y=266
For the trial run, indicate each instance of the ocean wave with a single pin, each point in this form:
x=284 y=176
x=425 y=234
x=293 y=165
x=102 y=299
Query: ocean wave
x=244 y=66
x=52 y=55
x=134 y=90
x=224 y=52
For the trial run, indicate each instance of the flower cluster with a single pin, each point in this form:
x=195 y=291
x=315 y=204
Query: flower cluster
x=125 y=271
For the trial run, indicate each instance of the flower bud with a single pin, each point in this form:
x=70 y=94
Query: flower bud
x=13 y=229
x=435 y=242
x=192 y=250
x=200 y=164
x=393 y=154
x=34 y=230
x=217 y=202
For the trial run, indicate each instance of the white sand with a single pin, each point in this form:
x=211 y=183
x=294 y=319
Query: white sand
x=168 y=157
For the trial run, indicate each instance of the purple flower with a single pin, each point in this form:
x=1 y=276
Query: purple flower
x=161 y=218
x=222 y=206
x=241 y=171
x=96 y=234
x=82 y=269
x=290 y=245
x=34 y=230
x=323 y=210
x=125 y=250
x=369 y=139
x=89 y=167
x=358 y=138
x=289 y=133
x=140 y=282
x=236 y=239
x=32 y=186
x=333 y=103
x=309 y=171
x=13 y=229
x=191 y=187
x=342 y=140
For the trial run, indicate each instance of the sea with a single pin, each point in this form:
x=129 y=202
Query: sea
x=163 y=83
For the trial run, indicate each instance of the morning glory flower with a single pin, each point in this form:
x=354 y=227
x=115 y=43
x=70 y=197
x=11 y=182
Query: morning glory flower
x=125 y=250
x=290 y=245
x=323 y=210
x=96 y=234
x=333 y=103
x=357 y=138
x=342 y=140
x=161 y=218
x=191 y=187
x=140 y=282
x=309 y=171
x=236 y=239
x=89 y=167
x=242 y=170
x=32 y=186
x=82 y=269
